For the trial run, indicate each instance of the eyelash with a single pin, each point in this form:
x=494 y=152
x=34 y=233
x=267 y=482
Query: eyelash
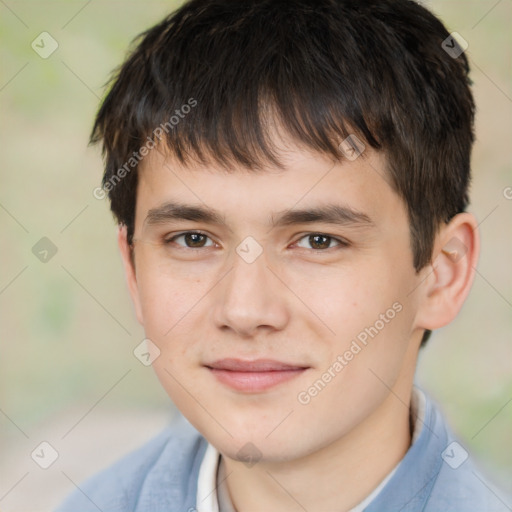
x=340 y=242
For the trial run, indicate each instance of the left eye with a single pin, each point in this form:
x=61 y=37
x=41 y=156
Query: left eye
x=192 y=239
x=319 y=241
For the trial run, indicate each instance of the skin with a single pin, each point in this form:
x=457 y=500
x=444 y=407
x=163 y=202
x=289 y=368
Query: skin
x=296 y=303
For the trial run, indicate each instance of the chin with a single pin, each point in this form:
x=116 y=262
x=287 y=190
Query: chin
x=257 y=447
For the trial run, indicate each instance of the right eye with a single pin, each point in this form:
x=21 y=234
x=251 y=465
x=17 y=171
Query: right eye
x=191 y=240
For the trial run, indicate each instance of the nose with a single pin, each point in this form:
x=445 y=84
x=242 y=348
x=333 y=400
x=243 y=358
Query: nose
x=251 y=299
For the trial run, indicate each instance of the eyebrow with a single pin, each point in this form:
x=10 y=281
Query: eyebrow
x=178 y=211
x=329 y=214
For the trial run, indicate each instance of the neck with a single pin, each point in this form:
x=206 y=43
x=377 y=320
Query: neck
x=337 y=477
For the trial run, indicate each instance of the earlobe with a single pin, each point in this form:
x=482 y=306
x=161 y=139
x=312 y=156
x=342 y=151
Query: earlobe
x=129 y=270
x=453 y=267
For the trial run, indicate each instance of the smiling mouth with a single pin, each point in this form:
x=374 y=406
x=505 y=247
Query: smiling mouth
x=253 y=376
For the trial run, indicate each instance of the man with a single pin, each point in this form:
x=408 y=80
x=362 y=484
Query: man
x=290 y=182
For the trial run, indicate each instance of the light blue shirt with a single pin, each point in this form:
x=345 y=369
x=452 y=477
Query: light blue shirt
x=435 y=475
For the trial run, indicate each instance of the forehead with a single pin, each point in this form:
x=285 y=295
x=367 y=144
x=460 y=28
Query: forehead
x=305 y=181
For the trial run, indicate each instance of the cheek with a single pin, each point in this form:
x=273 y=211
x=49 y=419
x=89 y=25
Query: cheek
x=167 y=296
x=173 y=304
x=367 y=306
x=169 y=307
x=342 y=300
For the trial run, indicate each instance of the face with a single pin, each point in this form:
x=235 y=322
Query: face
x=279 y=300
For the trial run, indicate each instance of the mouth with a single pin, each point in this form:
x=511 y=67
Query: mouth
x=253 y=376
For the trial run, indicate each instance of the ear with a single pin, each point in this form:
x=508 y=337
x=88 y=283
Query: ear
x=129 y=269
x=450 y=276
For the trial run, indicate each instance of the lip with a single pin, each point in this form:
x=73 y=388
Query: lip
x=254 y=376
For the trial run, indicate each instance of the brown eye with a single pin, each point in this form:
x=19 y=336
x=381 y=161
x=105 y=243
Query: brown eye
x=320 y=242
x=191 y=240
x=195 y=239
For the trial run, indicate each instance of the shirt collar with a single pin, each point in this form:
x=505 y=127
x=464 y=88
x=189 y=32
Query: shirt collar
x=213 y=496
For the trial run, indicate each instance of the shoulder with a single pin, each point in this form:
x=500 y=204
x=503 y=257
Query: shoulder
x=460 y=486
x=161 y=472
x=437 y=473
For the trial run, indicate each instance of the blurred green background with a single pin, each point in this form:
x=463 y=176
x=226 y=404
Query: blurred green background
x=67 y=370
